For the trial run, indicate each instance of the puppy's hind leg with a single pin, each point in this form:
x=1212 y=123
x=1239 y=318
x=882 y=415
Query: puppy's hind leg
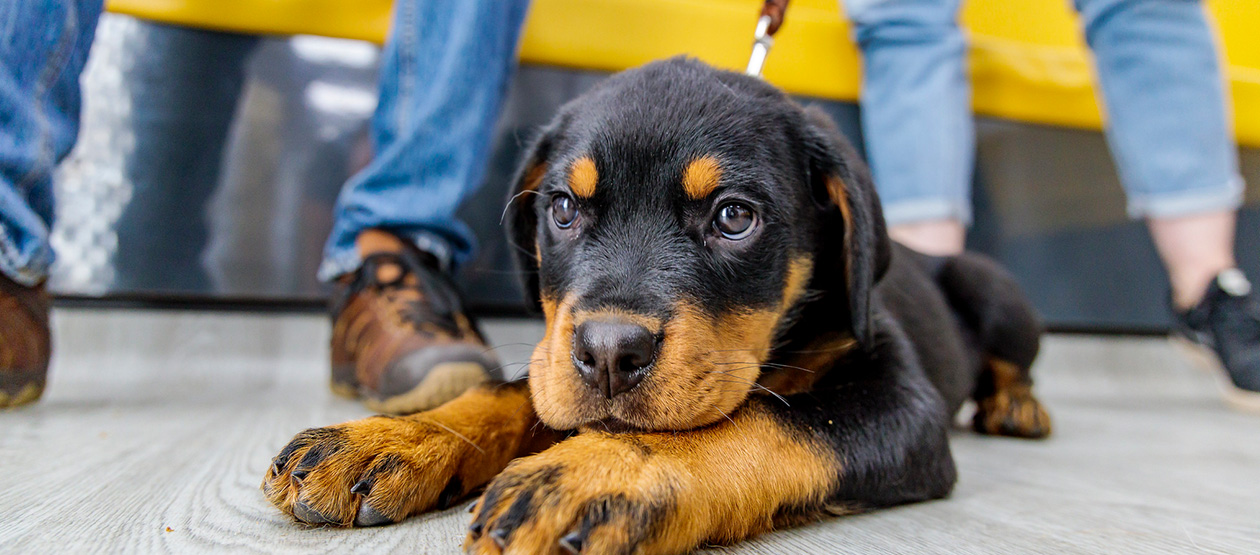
x=1008 y=332
x=1005 y=404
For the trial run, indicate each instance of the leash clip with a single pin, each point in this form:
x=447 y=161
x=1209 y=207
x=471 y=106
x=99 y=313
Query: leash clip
x=762 y=41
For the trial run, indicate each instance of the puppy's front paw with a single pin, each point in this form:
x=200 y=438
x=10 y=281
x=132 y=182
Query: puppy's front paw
x=590 y=494
x=374 y=471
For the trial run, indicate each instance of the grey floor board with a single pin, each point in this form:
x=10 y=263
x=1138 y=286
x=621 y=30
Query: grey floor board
x=167 y=420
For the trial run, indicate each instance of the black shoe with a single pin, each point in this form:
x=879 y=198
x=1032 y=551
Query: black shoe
x=1227 y=321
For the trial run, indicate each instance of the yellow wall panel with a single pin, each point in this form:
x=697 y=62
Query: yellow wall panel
x=1028 y=60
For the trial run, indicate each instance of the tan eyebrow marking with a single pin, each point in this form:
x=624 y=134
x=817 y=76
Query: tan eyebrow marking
x=583 y=176
x=701 y=177
x=534 y=177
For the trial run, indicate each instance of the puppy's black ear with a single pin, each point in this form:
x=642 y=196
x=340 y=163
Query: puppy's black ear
x=841 y=183
x=522 y=220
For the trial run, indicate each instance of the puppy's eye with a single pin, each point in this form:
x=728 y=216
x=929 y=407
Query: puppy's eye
x=563 y=211
x=735 y=221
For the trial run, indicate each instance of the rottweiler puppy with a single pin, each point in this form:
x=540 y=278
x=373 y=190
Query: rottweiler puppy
x=732 y=343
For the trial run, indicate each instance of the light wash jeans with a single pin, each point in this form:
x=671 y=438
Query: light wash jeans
x=445 y=73
x=444 y=77
x=43 y=46
x=1160 y=77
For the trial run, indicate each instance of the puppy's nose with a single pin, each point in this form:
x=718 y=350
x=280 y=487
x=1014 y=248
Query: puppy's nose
x=613 y=356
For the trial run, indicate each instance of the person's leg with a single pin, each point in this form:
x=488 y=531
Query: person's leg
x=1169 y=130
x=400 y=337
x=945 y=237
x=1195 y=249
x=43 y=47
x=916 y=118
x=445 y=74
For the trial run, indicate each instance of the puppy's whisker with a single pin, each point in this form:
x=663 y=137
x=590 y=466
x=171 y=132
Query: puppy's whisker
x=727 y=372
x=512 y=380
x=758 y=386
x=768 y=365
x=720 y=411
x=502 y=345
x=525 y=252
x=508 y=206
x=786 y=366
x=509 y=365
x=842 y=347
x=516 y=364
x=457 y=434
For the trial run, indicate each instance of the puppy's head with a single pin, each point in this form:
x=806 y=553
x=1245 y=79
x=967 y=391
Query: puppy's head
x=670 y=222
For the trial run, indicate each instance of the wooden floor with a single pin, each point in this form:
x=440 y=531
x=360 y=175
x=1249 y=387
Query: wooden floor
x=157 y=427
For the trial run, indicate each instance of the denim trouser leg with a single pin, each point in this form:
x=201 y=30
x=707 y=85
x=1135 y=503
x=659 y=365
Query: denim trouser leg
x=916 y=107
x=1168 y=124
x=1160 y=77
x=444 y=76
x=43 y=47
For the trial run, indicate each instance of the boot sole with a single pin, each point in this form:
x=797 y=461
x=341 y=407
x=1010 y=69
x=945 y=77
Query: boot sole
x=444 y=382
x=1206 y=359
x=25 y=396
x=343 y=383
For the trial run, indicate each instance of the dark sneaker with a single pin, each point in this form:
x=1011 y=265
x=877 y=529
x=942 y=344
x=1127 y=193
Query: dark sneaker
x=24 y=343
x=1227 y=321
x=401 y=341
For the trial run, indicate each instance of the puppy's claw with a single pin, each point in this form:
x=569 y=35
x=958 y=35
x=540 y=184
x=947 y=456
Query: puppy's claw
x=370 y=517
x=451 y=493
x=362 y=487
x=499 y=535
x=475 y=529
x=572 y=543
x=306 y=514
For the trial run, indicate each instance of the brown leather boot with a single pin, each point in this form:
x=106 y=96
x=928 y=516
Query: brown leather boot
x=24 y=342
x=401 y=341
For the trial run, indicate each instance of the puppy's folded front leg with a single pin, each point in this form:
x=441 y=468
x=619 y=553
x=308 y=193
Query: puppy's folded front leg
x=383 y=469
x=669 y=492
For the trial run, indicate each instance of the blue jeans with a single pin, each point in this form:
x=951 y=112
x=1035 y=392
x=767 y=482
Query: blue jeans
x=445 y=73
x=1160 y=77
x=43 y=47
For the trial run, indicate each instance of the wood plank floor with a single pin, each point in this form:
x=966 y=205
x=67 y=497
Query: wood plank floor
x=157 y=428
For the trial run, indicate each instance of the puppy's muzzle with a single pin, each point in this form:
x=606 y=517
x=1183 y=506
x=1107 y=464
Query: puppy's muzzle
x=613 y=356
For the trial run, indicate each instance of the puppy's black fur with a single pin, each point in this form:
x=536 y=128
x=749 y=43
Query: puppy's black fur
x=928 y=333
x=733 y=343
